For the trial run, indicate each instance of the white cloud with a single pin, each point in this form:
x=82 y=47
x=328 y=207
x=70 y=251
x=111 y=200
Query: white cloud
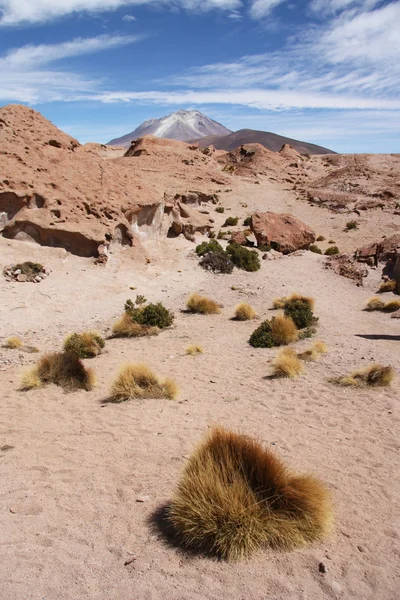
x=14 y=12
x=262 y=8
x=128 y=18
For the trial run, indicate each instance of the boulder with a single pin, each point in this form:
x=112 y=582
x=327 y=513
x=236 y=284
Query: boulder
x=238 y=237
x=283 y=232
x=384 y=251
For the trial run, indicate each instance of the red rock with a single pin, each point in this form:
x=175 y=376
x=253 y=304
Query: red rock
x=283 y=232
x=239 y=237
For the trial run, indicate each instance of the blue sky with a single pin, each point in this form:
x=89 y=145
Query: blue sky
x=324 y=71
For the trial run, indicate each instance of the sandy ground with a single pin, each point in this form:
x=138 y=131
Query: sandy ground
x=71 y=525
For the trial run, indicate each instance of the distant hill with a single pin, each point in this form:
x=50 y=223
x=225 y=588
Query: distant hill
x=271 y=141
x=181 y=125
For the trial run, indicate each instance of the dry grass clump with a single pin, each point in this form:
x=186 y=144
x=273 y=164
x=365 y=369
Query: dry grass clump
x=61 y=368
x=373 y=376
x=194 y=350
x=85 y=345
x=283 y=330
x=287 y=364
x=313 y=352
x=202 y=305
x=374 y=303
x=286 y=301
x=387 y=286
x=137 y=380
x=235 y=496
x=391 y=306
x=278 y=303
x=126 y=327
x=13 y=343
x=244 y=312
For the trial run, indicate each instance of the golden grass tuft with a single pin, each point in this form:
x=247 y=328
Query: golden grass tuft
x=86 y=345
x=285 y=301
x=61 y=368
x=136 y=380
x=235 y=497
x=126 y=327
x=278 y=303
x=244 y=312
x=313 y=352
x=373 y=376
x=374 y=303
x=283 y=330
x=391 y=306
x=194 y=350
x=387 y=286
x=287 y=364
x=202 y=305
x=13 y=343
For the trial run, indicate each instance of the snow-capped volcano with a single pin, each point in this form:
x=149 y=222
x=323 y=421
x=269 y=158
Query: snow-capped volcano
x=181 y=125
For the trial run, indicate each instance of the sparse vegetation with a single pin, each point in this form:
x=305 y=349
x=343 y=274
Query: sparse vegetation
x=374 y=303
x=331 y=242
x=202 y=305
x=313 y=352
x=391 y=306
x=139 y=381
x=231 y=222
x=247 y=222
x=332 y=251
x=243 y=258
x=29 y=268
x=235 y=497
x=61 y=368
x=278 y=303
x=320 y=238
x=217 y=262
x=287 y=364
x=283 y=330
x=220 y=209
x=151 y=315
x=299 y=308
x=125 y=327
x=314 y=248
x=387 y=286
x=212 y=246
x=244 y=312
x=262 y=336
x=373 y=376
x=194 y=350
x=13 y=343
x=307 y=332
x=85 y=345
x=351 y=225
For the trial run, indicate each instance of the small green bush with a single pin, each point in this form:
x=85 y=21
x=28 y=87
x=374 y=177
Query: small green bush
x=217 y=262
x=262 y=336
x=247 y=222
x=84 y=345
x=320 y=238
x=301 y=313
x=314 y=248
x=332 y=250
x=152 y=315
x=220 y=209
x=231 y=222
x=211 y=246
x=29 y=268
x=351 y=225
x=243 y=258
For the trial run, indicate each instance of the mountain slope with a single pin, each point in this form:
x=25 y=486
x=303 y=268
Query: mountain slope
x=182 y=125
x=271 y=141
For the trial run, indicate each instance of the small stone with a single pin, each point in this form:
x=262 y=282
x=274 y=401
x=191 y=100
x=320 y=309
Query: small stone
x=322 y=568
x=38 y=279
x=22 y=278
x=17 y=272
x=143 y=499
x=361 y=548
x=336 y=587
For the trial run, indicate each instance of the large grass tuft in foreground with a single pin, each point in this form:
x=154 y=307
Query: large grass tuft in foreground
x=61 y=368
x=236 y=496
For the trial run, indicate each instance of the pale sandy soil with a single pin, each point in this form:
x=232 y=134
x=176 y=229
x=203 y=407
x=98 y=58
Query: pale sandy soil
x=68 y=512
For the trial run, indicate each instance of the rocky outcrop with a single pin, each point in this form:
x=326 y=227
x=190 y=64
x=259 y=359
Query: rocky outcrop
x=346 y=265
x=384 y=251
x=283 y=232
x=188 y=221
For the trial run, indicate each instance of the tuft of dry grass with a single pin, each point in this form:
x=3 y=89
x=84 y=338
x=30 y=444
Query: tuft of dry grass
x=313 y=352
x=13 y=343
x=374 y=303
x=86 y=345
x=126 y=327
x=194 y=349
x=278 y=303
x=285 y=301
x=137 y=380
x=202 y=305
x=387 y=286
x=287 y=364
x=373 y=376
x=391 y=306
x=61 y=368
x=283 y=330
x=235 y=496
x=244 y=312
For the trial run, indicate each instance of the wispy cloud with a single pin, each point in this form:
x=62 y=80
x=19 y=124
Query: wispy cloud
x=128 y=18
x=262 y=8
x=14 y=12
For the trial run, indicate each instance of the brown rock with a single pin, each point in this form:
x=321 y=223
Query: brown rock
x=283 y=232
x=239 y=237
x=22 y=278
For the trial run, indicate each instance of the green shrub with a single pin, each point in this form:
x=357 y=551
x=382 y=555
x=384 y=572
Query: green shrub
x=217 y=262
x=85 y=345
x=301 y=313
x=231 y=222
x=211 y=246
x=351 y=225
x=220 y=209
x=262 y=336
x=332 y=250
x=152 y=315
x=320 y=238
x=29 y=268
x=247 y=222
x=243 y=258
x=314 y=248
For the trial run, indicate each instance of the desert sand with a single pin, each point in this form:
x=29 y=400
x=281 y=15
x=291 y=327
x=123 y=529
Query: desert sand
x=76 y=468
